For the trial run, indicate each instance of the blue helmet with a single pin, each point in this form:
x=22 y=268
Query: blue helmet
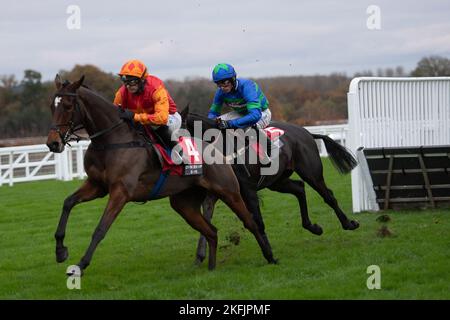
x=223 y=71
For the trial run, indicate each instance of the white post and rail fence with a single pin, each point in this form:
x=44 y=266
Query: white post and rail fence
x=36 y=162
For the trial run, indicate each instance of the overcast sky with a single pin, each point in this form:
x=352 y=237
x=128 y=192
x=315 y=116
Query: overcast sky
x=186 y=38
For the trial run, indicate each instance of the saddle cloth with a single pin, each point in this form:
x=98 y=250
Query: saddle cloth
x=192 y=162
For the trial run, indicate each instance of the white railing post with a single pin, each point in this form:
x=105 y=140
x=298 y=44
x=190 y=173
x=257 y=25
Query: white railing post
x=65 y=165
x=80 y=161
x=11 y=168
x=62 y=166
x=27 y=163
x=58 y=166
x=353 y=143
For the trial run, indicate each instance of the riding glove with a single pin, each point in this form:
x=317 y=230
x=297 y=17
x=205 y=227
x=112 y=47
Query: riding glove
x=222 y=124
x=126 y=114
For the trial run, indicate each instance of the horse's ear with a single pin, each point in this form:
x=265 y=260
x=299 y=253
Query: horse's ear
x=185 y=112
x=58 y=82
x=78 y=83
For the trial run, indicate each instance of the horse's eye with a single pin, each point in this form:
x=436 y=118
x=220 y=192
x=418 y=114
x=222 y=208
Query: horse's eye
x=67 y=106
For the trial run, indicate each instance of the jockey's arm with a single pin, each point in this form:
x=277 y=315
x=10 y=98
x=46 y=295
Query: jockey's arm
x=254 y=112
x=213 y=114
x=161 y=114
x=216 y=106
x=251 y=118
x=118 y=99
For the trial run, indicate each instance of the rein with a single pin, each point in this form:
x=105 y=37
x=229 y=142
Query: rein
x=104 y=131
x=131 y=144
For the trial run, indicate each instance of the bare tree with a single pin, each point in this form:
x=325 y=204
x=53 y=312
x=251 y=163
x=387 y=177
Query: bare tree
x=8 y=81
x=433 y=66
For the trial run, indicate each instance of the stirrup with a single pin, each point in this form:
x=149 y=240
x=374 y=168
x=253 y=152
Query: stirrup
x=266 y=157
x=176 y=157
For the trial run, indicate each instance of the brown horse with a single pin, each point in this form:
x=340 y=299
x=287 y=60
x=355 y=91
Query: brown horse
x=119 y=162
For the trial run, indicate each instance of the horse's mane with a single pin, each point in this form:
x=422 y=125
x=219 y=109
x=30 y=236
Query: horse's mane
x=97 y=95
x=198 y=115
x=67 y=83
x=201 y=117
x=191 y=117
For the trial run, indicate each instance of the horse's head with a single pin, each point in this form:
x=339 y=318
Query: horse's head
x=66 y=114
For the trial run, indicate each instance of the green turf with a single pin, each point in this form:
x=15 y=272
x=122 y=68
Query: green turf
x=149 y=251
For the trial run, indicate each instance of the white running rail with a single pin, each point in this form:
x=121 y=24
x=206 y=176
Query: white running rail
x=36 y=162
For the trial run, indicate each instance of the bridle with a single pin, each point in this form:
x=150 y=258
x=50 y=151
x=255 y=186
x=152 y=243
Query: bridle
x=71 y=134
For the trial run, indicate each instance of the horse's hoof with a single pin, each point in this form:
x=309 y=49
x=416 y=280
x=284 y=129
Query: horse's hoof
x=352 y=225
x=62 y=254
x=273 y=261
x=73 y=272
x=315 y=229
x=211 y=267
x=199 y=260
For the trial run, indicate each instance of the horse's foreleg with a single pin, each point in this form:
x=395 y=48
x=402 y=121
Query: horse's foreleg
x=297 y=188
x=250 y=196
x=235 y=202
x=117 y=200
x=208 y=210
x=227 y=189
x=88 y=191
x=221 y=181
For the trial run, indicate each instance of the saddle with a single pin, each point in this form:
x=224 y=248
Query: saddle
x=266 y=145
x=189 y=165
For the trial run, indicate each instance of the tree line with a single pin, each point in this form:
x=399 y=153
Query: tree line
x=304 y=100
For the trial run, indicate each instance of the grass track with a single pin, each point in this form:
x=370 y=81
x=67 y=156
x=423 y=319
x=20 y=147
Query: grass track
x=149 y=251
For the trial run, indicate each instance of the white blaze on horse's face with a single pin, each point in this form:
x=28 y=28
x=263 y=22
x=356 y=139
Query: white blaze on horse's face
x=57 y=101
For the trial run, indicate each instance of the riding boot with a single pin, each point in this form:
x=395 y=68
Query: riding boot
x=268 y=147
x=165 y=136
x=266 y=152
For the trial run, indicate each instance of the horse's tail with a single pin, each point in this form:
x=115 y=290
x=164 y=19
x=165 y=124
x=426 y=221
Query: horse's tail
x=340 y=156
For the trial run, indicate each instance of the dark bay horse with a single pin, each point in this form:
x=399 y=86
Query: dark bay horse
x=299 y=154
x=120 y=163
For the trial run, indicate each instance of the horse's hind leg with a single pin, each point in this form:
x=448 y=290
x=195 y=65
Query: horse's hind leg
x=88 y=191
x=297 y=188
x=187 y=204
x=320 y=186
x=208 y=210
